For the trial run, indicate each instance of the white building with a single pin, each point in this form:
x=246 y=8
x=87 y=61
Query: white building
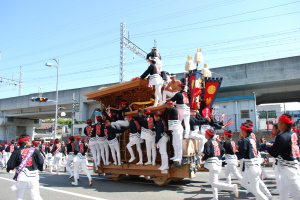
x=239 y=109
x=268 y=113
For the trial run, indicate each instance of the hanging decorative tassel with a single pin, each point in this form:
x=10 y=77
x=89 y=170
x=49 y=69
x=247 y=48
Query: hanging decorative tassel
x=198 y=57
x=189 y=65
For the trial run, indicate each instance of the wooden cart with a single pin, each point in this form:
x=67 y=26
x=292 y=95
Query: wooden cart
x=138 y=91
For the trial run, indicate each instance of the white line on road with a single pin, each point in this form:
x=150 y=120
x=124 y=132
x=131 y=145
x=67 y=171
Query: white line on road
x=62 y=191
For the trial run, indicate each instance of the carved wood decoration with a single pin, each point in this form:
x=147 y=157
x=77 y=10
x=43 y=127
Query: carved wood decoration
x=130 y=91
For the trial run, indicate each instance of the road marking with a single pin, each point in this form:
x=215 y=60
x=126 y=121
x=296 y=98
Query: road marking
x=62 y=191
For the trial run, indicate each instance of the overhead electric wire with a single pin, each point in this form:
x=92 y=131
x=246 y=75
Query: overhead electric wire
x=184 y=12
x=79 y=51
x=141 y=23
x=70 y=53
x=221 y=18
x=146 y=34
x=280 y=42
x=76 y=24
x=197 y=22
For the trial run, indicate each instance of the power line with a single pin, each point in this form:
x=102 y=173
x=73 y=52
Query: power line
x=210 y=26
x=220 y=18
x=70 y=53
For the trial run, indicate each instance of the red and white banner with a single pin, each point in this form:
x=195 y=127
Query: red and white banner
x=223 y=117
x=206 y=112
x=228 y=123
x=212 y=86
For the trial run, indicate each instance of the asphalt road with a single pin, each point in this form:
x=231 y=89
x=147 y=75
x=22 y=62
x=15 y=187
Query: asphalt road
x=58 y=187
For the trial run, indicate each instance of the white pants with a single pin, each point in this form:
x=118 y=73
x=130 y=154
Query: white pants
x=50 y=159
x=229 y=168
x=149 y=137
x=202 y=141
x=80 y=161
x=289 y=183
x=176 y=128
x=115 y=150
x=104 y=150
x=167 y=93
x=68 y=164
x=263 y=171
x=57 y=159
x=184 y=115
x=33 y=186
x=277 y=176
x=158 y=96
x=134 y=140
x=215 y=184
x=95 y=150
x=1 y=160
x=120 y=123
x=251 y=174
x=162 y=145
x=4 y=160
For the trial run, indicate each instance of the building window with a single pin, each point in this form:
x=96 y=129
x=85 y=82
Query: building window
x=272 y=114
x=267 y=114
x=245 y=114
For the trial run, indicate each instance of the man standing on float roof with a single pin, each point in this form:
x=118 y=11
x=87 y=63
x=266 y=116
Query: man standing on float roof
x=154 y=55
x=183 y=107
x=154 y=79
x=286 y=150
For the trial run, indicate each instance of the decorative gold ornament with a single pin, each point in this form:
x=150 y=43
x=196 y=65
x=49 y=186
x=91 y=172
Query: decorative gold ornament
x=211 y=89
x=208 y=101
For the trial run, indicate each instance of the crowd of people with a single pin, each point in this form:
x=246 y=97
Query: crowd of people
x=180 y=119
x=26 y=157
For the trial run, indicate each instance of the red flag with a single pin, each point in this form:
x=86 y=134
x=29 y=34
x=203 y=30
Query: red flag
x=223 y=117
x=192 y=81
x=228 y=123
x=212 y=86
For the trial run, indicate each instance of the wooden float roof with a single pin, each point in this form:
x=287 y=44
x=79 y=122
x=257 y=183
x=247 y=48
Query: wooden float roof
x=118 y=88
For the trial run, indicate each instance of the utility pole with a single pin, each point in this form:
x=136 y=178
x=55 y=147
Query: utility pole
x=126 y=42
x=14 y=82
x=75 y=108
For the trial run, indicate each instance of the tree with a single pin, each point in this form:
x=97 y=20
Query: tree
x=65 y=122
x=47 y=120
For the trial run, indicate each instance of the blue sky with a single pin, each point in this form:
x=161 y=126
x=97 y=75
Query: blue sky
x=85 y=37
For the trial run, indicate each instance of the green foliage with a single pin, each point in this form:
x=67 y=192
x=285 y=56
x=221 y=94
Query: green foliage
x=66 y=122
x=47 y=120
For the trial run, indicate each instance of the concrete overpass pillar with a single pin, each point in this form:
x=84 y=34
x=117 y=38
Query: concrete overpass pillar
x=11 y=132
